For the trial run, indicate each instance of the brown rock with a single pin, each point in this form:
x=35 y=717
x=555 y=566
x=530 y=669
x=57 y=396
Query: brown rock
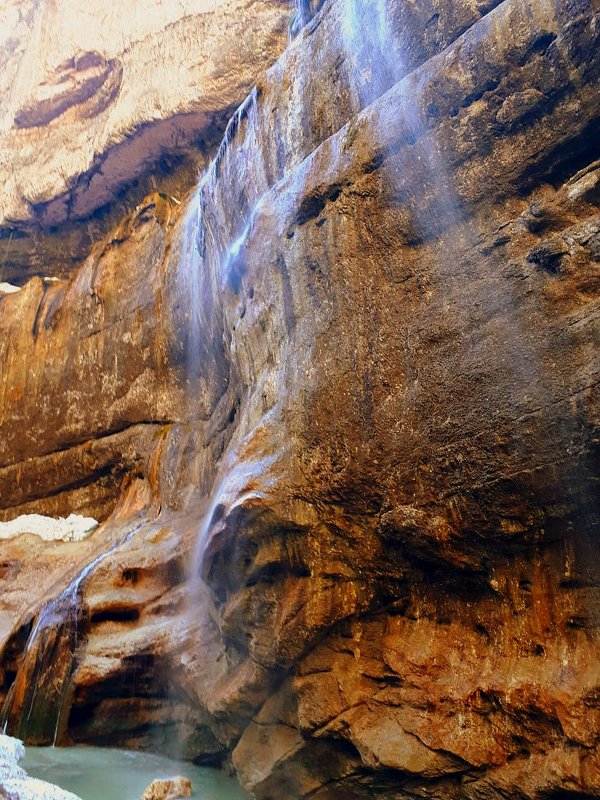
x=379 y=469
x=100 y=106
x=171 y=789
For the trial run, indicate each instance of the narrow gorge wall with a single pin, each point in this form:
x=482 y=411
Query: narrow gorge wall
x=103 y=103
x=343 y=407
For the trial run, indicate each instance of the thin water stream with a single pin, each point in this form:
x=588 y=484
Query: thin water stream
x=99 y=773
x=35 y=702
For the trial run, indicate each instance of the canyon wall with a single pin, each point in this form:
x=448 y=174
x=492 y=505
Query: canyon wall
x=339 y=412
x=102 y=103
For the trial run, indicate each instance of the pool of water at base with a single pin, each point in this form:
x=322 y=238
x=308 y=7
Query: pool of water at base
x=98 y=773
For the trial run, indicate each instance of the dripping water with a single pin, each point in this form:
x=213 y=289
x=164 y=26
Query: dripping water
x=371 y=50
x=375 y=63
x=224 y=240
x=303 y=13
x=211 y=252
x=37 y=700
x=234 y=487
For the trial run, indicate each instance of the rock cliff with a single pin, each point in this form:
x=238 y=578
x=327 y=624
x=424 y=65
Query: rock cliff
x=339 y=413
x=102 y=102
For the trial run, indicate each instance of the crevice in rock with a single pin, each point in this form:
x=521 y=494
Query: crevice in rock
x=121 y=614
x=100 y=436
x=564 y=161
x=313 y=204
x=114 y=470
x=11 y=656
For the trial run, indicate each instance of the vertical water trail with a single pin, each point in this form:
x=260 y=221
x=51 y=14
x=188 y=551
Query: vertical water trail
x=34 y=706
x=223 y=240
x=191 y=261
x=370 y=48
x=234 y=486
x=377 y=60
x=211 y=260
x=305 y=9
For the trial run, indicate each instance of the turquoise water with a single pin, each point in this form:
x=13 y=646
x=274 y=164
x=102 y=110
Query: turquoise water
x=98 y=773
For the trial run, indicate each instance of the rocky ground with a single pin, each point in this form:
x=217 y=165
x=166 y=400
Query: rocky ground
x=344 y=423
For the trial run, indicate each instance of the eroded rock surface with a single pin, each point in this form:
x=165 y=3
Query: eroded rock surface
x=358 y=380
x=172 y=789
x=101 y=102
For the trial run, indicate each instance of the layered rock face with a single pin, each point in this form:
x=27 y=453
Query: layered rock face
x=355 y=390
x=101 y=103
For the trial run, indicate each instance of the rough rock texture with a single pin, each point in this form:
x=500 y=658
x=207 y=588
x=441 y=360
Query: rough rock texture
x=101 y=335
x=100 y=102
x=168 y=789
x=367 y=374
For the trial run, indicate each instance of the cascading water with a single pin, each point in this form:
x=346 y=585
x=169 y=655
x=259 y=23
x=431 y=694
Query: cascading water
x=226 y=245
x=34 y=707
x=371 y=50
x=36 y=704
x=372 y=54
x=377 y=61
x=376 y=64
x=305 y=9
x=198 y=233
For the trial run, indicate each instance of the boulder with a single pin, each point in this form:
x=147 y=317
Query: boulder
x=170 y=789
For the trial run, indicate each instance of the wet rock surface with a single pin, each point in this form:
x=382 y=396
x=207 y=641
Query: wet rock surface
x=352 y=427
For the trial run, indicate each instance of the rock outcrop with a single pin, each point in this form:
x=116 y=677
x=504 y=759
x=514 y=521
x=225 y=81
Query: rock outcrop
x=343 y=414
x=171 y=789
x=99 y=104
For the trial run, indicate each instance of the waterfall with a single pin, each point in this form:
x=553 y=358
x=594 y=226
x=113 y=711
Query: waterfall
x=32 y=709
x=371 y=50
x=305 y=10
x=377 y=60
x=38 y=701
x=34 y=706
x=197 y=285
